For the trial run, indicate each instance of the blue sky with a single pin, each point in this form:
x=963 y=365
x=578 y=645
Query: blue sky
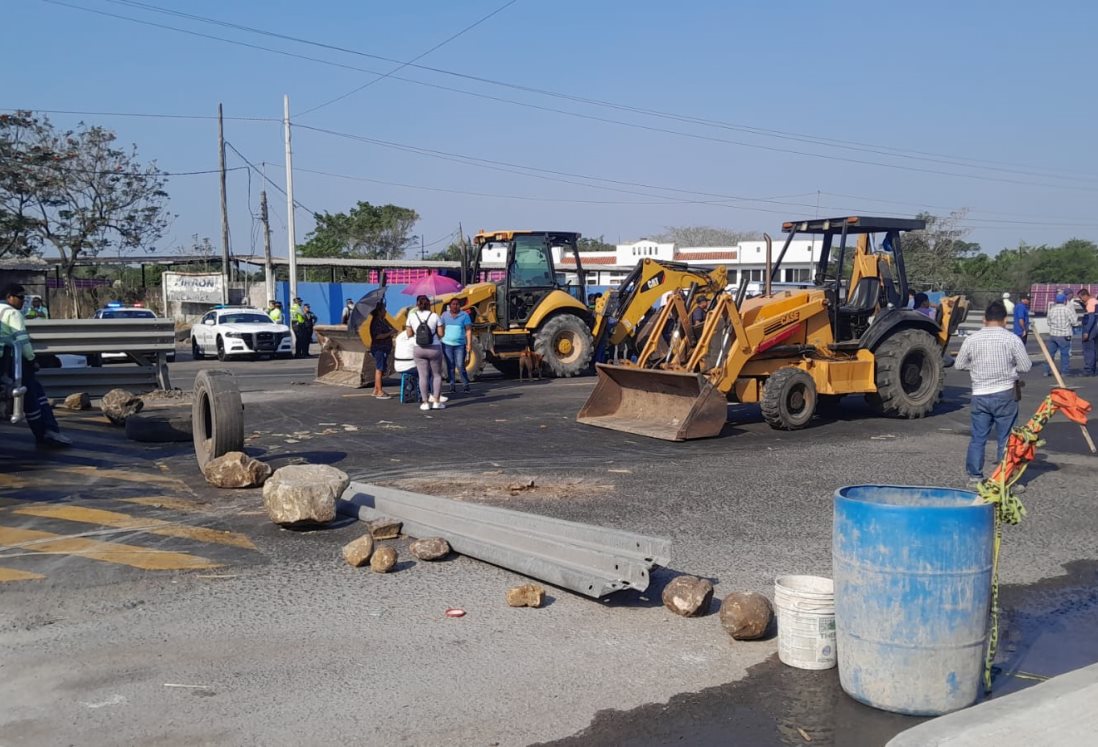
x=891 y=108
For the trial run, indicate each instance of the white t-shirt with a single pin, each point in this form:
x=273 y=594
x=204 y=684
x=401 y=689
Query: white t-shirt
x=404 y=348
x=417 y=317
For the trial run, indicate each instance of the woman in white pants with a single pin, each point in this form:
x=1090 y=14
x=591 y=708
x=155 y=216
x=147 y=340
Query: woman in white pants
x=428 y=357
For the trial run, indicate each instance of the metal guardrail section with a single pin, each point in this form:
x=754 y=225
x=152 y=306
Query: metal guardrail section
x=89 y=336
x=590 y=560
x=61 y=382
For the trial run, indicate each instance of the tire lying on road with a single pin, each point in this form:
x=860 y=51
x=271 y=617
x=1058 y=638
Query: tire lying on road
x=159 y=428
x=217 y=416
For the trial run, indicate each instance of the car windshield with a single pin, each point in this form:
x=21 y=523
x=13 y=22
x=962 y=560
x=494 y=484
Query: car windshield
x=127 y=314
x=244 y=318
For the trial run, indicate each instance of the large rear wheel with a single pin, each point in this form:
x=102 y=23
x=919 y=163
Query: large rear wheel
x=789 y=399
x=910 y=375
x=565 y=344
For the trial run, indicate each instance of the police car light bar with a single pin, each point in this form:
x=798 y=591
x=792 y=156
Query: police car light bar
x=114 y=305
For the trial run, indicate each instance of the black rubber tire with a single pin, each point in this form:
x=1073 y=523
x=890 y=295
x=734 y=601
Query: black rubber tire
x=571 y=332
x=196 y=354
x=217 y=416
x=909 y=375
x=221 y=350
x=508 y=367
x=789 y=399
x=160 y=428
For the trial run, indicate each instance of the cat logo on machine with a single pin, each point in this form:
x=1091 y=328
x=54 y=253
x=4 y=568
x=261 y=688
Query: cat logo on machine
x=655 y=281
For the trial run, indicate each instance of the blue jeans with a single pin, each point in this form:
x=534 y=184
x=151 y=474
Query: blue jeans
x=997 y=410
x=455 y=358
x=1088 y=356
x=1063 y=344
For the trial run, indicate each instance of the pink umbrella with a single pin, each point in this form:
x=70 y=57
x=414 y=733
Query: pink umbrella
x=432 y=285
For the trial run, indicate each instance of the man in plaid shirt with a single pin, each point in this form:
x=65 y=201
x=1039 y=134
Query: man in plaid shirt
x=1061 y=320
x=994 y=357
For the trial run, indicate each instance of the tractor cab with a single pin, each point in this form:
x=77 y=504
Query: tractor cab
x=531 y=273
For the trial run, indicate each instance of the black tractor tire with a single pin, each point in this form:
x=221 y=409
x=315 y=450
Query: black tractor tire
x=566 y=345
x=789 y=399
x=508 y=367
x=217 y=416
x=221 y=350
x=475 y=361
x=196 y=354
x=909 y=375
x=160 y=428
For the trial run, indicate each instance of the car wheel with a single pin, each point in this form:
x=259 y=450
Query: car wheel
x=196 y=353
x=221 y=356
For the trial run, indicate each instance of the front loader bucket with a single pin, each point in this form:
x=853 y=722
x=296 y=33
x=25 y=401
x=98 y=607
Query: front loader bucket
x=344 y=359
x=671 y=405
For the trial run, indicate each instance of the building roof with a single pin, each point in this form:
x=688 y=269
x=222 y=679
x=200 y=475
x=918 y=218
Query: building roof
x=373 y=264
x=24 y=264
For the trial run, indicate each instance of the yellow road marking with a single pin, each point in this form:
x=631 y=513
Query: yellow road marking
x=175 y=504
x=69 y=512
x=100 y=473
x=108 y=552
x=10 y=574
x=12 y=481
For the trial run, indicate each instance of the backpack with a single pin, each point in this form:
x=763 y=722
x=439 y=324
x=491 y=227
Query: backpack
x=425 y=336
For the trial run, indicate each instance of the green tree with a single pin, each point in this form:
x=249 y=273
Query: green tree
x=75 y=190
x=704 y=236
x=595 y=245
x=933 y=256
x=366 y=231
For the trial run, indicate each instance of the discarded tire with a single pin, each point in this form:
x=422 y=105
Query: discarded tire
x=159 y=428
x=217 y=416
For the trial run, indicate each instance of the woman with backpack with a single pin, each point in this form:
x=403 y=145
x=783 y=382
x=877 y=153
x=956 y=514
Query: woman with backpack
x=426 y=328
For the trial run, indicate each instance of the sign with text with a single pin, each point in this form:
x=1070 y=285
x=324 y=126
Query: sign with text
x=204 y=287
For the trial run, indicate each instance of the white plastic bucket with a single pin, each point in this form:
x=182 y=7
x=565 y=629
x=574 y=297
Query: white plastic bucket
x=806 y=621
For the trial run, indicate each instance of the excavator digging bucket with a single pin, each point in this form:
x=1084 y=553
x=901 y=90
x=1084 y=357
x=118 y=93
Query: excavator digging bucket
x=344 y=359
x=671 y=405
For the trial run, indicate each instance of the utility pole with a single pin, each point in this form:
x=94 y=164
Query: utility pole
x=464 y=256
x=268 y=268
x=291 y=229
x=224 y=209
x=422 y=251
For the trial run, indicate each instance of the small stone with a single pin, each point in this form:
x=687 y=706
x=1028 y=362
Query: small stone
x=527 y=595
x=385 y=528
x=236 y=470
x=78 y=401
x=431 y=548
x=383 y=560
x=118 y=404
x=357 y=552
x=303 y=494
x=746 y=616
x=688 y=596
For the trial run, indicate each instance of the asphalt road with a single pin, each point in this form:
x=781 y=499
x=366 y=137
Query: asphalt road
x=282 y=643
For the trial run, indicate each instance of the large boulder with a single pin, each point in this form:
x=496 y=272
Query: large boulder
x=357 y=552
x=688 y=596
x=430 y=548
x=383 y=560
x=746 y=616
x=236 y=470
x=303 y=494
x=119 y=404
x=385 y=528
x=77 y=401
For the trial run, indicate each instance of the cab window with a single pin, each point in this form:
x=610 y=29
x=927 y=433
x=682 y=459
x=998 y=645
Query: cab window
x=532 y=266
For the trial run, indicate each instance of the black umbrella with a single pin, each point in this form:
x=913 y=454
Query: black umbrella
x=362 y=312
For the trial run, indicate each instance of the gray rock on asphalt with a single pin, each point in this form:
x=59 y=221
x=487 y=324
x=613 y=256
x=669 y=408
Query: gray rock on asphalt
x=383 y=560
x=357 y=552
x=430 y=548
x=78 y=401
x=385 y=528
x=527 y=595
x=236 y=470
x=688 y=596
x=746 y=616
x=119 y=404
x=303 y=494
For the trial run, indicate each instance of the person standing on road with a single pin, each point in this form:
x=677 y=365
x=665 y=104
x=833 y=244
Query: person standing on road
x=1061 y=322
x=37 y=310
x=297 y=323
x=428 y=353
x=1008 y=304
x=306 y=338
x=457 y=343
x=993 y=357
x=274 y=312
x=381 y=347
x=347 y=309
x=1089 y=330
x=1021 y=318
x=14 y=336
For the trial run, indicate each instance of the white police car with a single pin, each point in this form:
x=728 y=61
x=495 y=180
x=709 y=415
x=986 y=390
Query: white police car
x=117 y=310
x=229 y=331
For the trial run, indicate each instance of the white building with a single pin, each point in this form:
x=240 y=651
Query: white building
x=746 y=258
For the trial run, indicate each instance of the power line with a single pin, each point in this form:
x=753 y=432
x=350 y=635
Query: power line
x=403 y=65
x=265 y=178
x=136 y=114
x=765 y=132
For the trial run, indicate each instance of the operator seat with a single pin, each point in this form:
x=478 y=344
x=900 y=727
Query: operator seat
x=864 y=299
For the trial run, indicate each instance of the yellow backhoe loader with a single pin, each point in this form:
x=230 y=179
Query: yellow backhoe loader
x=788 y=350
x=531 y=307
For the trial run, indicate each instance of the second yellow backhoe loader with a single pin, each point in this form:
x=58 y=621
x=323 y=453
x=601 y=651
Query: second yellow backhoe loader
x=788 y=350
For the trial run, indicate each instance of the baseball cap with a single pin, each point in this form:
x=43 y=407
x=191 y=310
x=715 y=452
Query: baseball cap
x=1006 y=294
x=1061 y=298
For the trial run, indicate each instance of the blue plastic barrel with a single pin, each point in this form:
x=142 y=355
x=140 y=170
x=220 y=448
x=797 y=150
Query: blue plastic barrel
x=912 y=569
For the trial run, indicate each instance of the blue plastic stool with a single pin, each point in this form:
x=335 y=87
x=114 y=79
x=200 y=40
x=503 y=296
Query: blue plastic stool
x=409 y=386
